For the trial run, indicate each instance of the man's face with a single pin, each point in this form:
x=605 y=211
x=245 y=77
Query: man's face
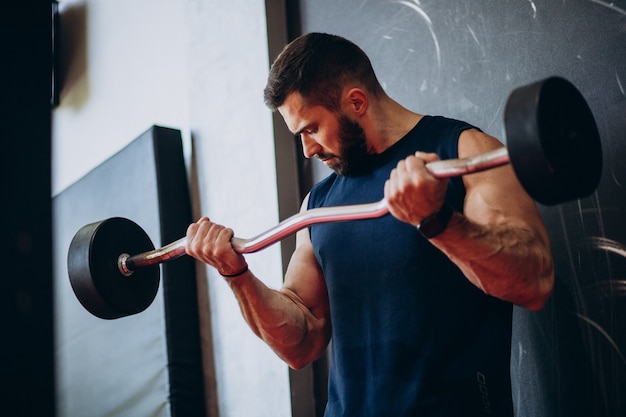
x=336 y=140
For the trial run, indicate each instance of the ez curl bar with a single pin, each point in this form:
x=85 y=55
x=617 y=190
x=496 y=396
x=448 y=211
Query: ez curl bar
x=553 y=146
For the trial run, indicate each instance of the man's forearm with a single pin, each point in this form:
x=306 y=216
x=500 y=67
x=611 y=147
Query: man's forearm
x=278 y=318
x=507 y=261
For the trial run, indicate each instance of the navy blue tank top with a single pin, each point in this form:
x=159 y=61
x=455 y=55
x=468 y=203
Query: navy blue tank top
x=411 y=336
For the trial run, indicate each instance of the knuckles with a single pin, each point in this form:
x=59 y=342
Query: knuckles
x=205 y=240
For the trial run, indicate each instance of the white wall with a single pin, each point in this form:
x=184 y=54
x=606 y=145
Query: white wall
x=199 y=66
x=127 y=71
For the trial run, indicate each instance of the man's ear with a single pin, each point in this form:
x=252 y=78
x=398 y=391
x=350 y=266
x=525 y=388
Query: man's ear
x=356 y=100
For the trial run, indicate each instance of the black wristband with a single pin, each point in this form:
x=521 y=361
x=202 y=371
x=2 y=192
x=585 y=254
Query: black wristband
x=243 y=271
x=436 y=223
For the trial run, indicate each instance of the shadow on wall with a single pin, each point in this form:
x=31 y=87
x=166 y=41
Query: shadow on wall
x=73 y=78
x=204 y=301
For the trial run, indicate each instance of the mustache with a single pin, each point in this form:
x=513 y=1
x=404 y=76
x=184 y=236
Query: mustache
x=323 y=156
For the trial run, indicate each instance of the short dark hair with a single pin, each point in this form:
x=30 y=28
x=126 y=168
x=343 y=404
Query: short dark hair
x=318 y=66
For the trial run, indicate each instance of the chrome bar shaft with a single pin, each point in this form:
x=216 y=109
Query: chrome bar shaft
x=308 y=218
x=270 y=236
x=477 y=163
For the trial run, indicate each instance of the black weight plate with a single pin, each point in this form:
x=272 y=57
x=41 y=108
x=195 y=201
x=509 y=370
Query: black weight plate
x=95 y=277
x=553 y=141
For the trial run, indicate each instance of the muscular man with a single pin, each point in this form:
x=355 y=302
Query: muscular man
x=418 y=303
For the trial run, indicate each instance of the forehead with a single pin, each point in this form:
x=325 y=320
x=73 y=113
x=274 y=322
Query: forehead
x=298 y=116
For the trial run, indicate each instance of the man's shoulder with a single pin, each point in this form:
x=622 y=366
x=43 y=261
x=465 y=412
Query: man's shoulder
x=443 y=122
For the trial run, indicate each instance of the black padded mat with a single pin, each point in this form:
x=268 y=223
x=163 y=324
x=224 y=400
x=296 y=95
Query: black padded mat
x=148 y=363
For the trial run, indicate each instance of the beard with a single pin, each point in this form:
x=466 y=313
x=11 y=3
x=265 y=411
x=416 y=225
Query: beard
x=355 y=157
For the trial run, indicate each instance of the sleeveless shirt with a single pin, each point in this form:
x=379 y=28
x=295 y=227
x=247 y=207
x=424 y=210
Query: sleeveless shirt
x=411 y=336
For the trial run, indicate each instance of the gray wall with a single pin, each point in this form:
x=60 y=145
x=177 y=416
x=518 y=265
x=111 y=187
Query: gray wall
x=461 y=59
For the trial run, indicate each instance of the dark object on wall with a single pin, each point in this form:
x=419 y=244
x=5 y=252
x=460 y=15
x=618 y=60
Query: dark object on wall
x=459 y=59
x=148 y=364
x=56 y=52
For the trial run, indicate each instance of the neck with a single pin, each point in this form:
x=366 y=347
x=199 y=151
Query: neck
x=388 y=122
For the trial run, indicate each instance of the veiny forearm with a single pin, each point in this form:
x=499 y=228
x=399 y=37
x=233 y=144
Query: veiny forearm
x=509 y=262
x=281 y=320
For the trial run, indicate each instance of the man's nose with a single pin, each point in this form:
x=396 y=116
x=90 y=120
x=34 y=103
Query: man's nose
x=310 y=147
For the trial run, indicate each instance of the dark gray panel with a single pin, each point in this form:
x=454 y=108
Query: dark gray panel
x=149 y=363
x=462 y=59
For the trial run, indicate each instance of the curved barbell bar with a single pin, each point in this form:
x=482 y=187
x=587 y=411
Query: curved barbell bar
x=439 y=169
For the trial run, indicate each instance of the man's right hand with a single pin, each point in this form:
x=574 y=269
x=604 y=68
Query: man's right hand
x=210 y=243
